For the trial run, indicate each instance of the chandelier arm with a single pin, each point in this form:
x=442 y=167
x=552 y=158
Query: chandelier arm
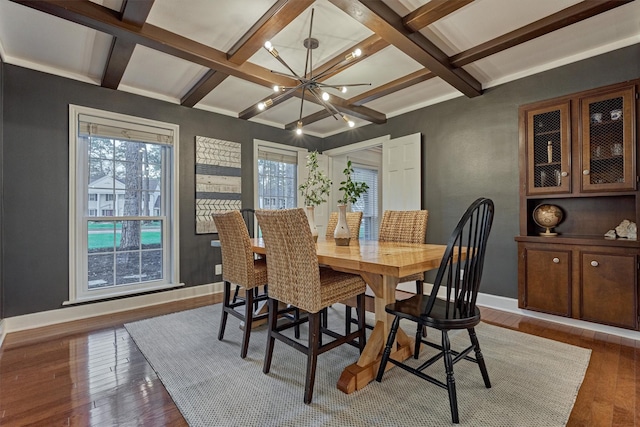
x=339 y=86
x=327 y=105
x=302 y=103
x=302 y=80
x=282 y=61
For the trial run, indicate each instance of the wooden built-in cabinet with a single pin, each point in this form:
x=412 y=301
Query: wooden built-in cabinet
x=580 y=152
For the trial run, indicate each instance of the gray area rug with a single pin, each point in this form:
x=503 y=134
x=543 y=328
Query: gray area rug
x=535 y=380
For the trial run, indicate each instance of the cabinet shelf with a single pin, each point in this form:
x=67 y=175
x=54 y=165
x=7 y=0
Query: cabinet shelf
x=548 y=132
x=580 y=240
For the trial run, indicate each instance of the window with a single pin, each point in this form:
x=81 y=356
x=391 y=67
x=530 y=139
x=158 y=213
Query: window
x=123 y=204
x=277 y=179
x=368 y=202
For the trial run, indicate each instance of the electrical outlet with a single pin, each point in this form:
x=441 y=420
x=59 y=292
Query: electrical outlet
x=218 y=269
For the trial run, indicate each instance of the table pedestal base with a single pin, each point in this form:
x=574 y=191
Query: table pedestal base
x=358 y=375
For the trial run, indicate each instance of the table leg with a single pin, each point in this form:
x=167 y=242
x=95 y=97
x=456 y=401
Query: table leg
x=359 y=374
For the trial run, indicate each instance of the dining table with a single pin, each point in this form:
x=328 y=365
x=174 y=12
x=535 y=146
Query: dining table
x=381 y=265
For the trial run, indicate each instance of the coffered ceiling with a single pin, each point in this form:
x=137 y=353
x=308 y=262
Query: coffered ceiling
x=209 y=54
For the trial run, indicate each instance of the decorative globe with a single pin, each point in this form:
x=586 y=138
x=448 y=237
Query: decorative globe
x=548 y=217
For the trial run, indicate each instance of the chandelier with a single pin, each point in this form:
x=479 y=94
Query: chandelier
x=311 y=83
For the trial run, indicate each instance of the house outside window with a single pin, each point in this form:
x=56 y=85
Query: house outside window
x=123 y=204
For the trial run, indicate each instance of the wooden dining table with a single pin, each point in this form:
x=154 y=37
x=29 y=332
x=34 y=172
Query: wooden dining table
x=381 y=265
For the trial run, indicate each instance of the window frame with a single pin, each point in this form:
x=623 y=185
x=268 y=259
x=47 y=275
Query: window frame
x=78 y=197
x=277 y=148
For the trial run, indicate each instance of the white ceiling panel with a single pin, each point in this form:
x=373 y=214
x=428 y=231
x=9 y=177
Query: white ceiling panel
x=234 y=95
x=171 y=76
x=215 y=23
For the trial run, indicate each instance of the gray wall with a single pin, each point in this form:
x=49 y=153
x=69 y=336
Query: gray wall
x=470 y=149
x=1 y=192
x=35 y=167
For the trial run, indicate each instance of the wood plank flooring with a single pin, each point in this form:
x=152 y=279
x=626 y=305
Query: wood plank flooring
x=90 y=373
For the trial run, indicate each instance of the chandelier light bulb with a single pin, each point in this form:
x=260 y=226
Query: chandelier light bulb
x=276 y=88
x=272 y=50
x=265 y=104
x=325 y=96
x=343 y=89
x=353 y=55
x=299 y=128
x=349 y=122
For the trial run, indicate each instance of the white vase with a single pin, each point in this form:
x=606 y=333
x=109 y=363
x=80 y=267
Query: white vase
x=312 y=222
x=341 y=235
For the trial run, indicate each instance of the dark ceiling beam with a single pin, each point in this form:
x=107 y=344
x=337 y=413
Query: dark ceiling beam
x=311 y=118
x=271 y=23
x=108 y=21
x=561 y=19
x=393 y=86
x=205 y=85
x=382 y=20
x=429 y=13
x=134 y=13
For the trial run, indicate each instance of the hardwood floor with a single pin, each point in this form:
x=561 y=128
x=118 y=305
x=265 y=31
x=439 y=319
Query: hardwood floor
x=90 y=373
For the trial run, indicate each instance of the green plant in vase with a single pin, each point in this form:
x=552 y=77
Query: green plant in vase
x=351 y=191
x=314 y=190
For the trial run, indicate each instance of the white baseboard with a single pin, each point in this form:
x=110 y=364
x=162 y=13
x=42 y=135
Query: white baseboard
x=85 y=311
x=3 y=332
x=511 y=305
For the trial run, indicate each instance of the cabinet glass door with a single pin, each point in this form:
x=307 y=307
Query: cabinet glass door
x=608 y=152
x=548 y=150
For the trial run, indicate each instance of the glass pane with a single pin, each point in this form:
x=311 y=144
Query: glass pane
x=152 y=265
x=547 y=149
x=129 y=237
x=100 y=270
x=151 y=234
x=606 y=137
x=128 y=268
x=101 y=236
x=101 y=148
x=100 y=173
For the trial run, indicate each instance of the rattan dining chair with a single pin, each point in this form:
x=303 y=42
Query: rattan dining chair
x=353 y=222
x=403 y=227
x=249 y=218
x=296 y=279
x=239 y=267
x=464 y=254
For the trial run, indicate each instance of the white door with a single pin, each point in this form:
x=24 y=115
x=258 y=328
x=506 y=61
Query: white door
x=321 y=212
x=401 y=173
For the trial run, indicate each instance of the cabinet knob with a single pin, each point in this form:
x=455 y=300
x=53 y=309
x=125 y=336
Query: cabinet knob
x=556 y=260
x=585 y=172
x=564 y=173
x=594 y=263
